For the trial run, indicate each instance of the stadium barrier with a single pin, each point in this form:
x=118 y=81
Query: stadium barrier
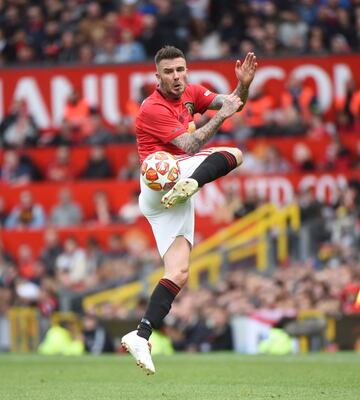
x=24 y=329
x=27 y=326
x=316 y=315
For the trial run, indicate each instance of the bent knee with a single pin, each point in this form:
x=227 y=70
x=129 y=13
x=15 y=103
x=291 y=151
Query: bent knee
x=237 y=153
x=180 y=278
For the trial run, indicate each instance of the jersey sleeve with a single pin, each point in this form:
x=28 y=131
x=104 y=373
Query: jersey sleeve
x=202 y=97
x=160 y=122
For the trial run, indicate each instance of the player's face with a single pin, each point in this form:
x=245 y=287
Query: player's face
x=172 y=77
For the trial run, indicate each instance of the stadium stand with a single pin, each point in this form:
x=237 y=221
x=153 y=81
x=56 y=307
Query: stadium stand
x=67 y=187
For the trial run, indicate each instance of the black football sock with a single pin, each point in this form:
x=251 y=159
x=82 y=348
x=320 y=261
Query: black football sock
x=216 y=165
x=158 y=308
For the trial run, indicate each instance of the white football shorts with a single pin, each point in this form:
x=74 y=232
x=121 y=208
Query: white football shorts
x=169 y=223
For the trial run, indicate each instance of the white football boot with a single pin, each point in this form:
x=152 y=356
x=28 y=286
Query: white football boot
x=139 y=348
x=182 y=190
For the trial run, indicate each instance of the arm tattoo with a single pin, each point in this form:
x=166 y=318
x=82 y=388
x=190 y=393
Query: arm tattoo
x=217 y=102
x=191 y=143
x=243 y=93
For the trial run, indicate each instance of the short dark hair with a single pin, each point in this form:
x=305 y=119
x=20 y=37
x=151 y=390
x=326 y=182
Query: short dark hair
x=168 y=53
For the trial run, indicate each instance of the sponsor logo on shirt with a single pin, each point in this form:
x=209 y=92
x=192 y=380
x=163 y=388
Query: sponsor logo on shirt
x=207 y=93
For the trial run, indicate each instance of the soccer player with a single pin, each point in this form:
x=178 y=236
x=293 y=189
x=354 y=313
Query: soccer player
x=165 y=122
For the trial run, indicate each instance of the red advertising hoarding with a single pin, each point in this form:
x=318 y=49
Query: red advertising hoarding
x=280 y=189
x=110 y=87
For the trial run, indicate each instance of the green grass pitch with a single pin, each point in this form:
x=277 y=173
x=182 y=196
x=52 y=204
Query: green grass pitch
x=222 y=376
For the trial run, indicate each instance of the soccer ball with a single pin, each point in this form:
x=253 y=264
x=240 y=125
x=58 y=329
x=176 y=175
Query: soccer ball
x=160 y=171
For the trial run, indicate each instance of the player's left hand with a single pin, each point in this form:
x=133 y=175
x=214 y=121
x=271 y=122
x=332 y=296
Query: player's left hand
x=245 y=71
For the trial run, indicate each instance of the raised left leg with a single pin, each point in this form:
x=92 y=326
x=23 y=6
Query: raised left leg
x=219 y=163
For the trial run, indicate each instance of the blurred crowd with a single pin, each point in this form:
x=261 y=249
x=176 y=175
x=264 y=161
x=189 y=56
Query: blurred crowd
x=66 y=266
x=200 y=320
x=120 y=31
x=326 y=250
x=203 y=320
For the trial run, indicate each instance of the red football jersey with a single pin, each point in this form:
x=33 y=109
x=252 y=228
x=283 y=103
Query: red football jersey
x=161 y=120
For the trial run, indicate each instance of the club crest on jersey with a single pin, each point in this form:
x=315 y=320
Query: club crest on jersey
x=190 y=106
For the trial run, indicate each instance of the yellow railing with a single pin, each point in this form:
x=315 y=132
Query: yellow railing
x=24 y=328
x=330 y=329
x=233 y=230
x=245 y=238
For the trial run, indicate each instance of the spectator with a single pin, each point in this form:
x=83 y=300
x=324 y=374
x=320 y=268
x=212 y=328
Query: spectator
x=71 y=265
x=171 y=25
x=61 y=169
x=300 y=97
x=337 y=156
x=96 y=338
x=64 y=135
x=86 y=54
x=27 y=214
x=356 y=157
x=51 y=249
x=116 y=246
x=307 y=10
x=29 y=268
x=131 y=170
x=3 y=212
x=112 y=27
x=219 y=336
x=95 y=257
x=108 y=53
x=318 y=129
x=249 y=204
x=76 y=114
x=102 y=210
x=129 y=18
x=225 y=213
x=98 y=166
x=92 y=22
x=123 y=132
x=339 y=45
x=273 y=162
x=292 y=31
x=69 y=51
x=97 y=133
x=12 y=24
x=130 y=212
x=316 y=44
x=66 y=212
x=303 y=158
x=229 y=30
x=129 y=50
x=47 y=301
x=5 y=260
x=256 y=110
x=18 y=128
x=51 y=43
x=34 y=27
x=314 y=229
x=62 y=340
x=346 y=106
